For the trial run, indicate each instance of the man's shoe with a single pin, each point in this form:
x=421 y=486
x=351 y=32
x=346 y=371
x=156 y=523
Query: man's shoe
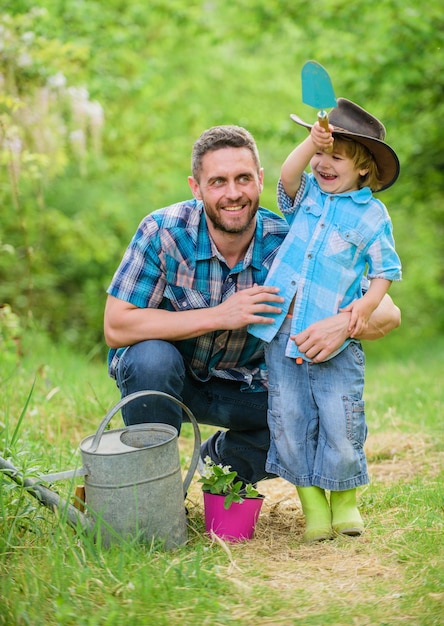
x=208 y=448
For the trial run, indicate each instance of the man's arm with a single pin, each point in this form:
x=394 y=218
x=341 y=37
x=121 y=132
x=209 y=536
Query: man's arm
x=126 y=324
x=322 y=338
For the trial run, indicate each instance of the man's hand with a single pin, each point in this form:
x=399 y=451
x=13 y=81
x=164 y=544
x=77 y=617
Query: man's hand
x=322 y=338
x=243 y=307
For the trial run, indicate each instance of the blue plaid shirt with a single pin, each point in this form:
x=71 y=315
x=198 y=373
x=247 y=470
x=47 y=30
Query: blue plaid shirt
x=172 y=264
x=331 y=241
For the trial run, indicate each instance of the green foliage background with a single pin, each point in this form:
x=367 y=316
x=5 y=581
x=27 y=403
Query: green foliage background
x=163 y=71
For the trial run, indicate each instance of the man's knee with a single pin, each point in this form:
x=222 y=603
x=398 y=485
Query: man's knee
x=153 y=366
x=151 y=360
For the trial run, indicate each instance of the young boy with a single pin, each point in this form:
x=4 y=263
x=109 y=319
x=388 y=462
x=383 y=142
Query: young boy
x=338 y=232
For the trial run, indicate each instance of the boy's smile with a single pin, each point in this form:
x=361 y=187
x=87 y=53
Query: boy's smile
x=335 y=172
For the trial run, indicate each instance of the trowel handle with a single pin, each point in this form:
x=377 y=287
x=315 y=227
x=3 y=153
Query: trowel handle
x=323 y=121
x=138 y=394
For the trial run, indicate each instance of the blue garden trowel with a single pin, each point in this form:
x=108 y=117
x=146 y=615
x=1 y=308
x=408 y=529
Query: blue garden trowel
x=317 y=91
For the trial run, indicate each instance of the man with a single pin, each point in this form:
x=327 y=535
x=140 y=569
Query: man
x=180 y=302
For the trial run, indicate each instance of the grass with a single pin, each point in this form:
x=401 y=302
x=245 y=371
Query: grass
x=393 y=574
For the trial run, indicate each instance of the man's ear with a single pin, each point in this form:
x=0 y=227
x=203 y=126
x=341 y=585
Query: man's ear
x=261 y=179
x=194 y=186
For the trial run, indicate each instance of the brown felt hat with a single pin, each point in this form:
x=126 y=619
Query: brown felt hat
x=351 y=120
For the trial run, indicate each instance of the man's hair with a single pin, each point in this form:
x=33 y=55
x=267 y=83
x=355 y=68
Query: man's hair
x=220 y=137
x=363 y=160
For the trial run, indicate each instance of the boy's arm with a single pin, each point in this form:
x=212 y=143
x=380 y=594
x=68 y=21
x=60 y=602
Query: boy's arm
x=322 y=338
x=296 y=162
x=362 y=308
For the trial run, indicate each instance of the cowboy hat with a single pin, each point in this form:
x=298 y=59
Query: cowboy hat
x=352 y=121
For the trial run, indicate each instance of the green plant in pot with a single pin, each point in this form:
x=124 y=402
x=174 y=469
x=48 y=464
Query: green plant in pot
x=221 y=480
x=231 y=506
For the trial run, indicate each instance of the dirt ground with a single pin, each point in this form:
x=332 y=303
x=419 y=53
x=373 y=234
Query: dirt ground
x=352 y=568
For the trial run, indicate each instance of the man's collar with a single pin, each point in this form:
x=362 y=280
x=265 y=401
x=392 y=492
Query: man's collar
x=257 y=251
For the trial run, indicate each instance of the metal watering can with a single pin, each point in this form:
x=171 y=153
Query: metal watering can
x=133 y=481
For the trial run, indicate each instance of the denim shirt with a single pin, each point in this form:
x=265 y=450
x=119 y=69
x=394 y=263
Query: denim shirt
x=332 y=241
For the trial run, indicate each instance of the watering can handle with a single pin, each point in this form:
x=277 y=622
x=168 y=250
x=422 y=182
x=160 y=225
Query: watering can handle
x=138 y=394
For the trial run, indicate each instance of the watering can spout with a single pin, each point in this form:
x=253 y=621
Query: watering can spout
x=47 y=497
x=52 y=478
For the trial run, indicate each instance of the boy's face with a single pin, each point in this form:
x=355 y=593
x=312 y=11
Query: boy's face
x=336 y=172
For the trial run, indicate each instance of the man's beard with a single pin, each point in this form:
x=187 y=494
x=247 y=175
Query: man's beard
x=218 y=223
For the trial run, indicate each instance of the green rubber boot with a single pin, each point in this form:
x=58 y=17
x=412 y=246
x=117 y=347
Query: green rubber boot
x=317 y=514
x=346 y=519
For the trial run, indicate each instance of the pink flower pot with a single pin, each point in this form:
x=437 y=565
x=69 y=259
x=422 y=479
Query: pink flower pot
x=234 y=524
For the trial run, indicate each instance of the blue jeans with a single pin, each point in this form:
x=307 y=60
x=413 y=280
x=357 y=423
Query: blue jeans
x=158 y=365
x=316 y=417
